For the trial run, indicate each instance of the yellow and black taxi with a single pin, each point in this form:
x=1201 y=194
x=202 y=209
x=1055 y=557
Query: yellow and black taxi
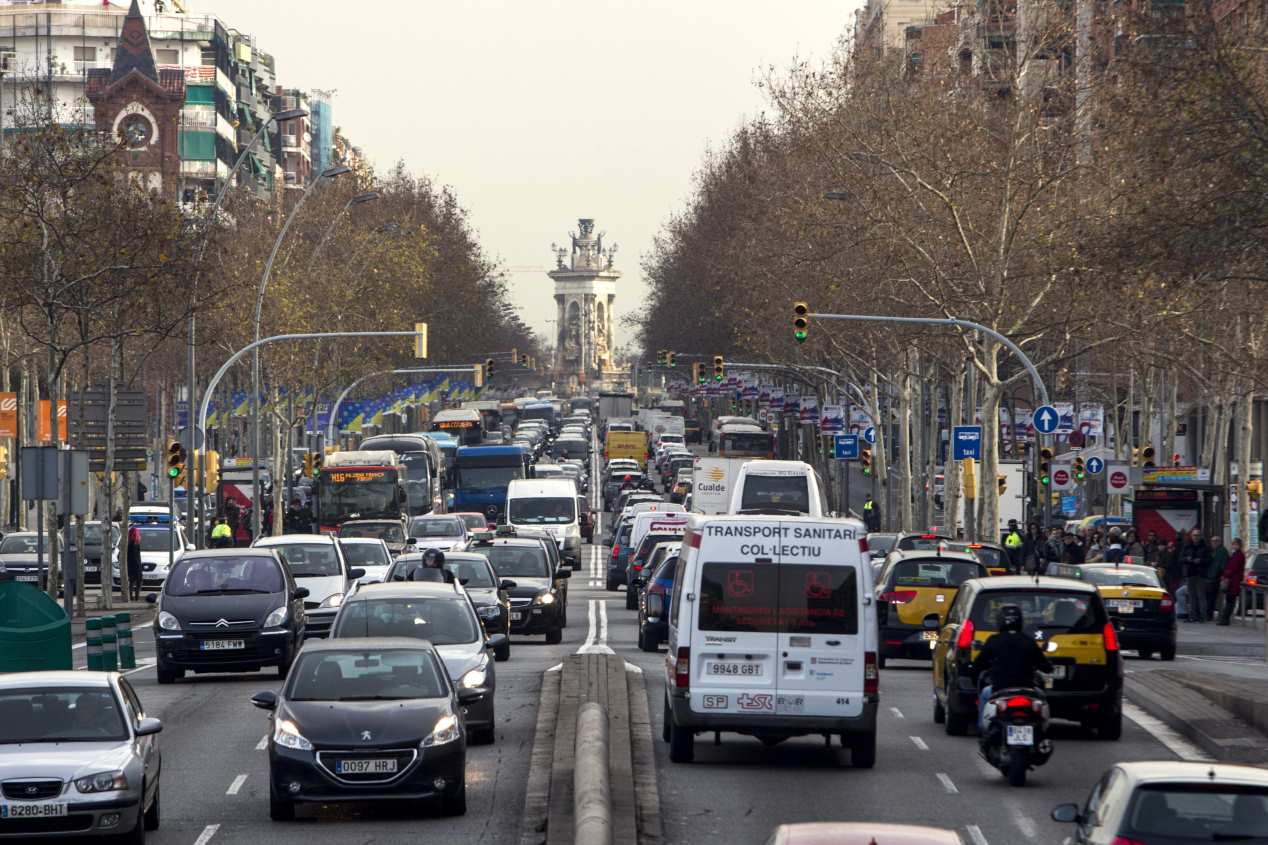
x=1136 y=600
x=1067 y=617
x=992 y=555
x=911 y=586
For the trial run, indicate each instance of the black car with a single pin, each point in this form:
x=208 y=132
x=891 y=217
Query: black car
x=367 y=720
x=476 y=575
x=92 y=548
x=539 y=600
x=228 y=610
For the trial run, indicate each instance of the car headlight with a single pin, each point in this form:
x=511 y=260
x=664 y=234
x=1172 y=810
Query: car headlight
x=475 y=678
x=168 y=622
x=286 y=734
x=333 y=600
x=103 y=782
x=276 y=618
x=446 y=730
x=544 y=598
x=491 y=611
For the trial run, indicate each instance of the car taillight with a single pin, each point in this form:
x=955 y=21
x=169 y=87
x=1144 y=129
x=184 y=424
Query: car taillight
x=682 y=669
x=1110 y=636
x=1167 y=602
x=616 y=552
x=871 y=675
x=965 y=640
x=636 y=566
x=1125 y=840
x=863 y=545
x=897 y=596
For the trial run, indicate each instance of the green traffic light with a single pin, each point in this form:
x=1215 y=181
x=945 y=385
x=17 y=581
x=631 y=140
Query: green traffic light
x=173 y=472
x=800 y=335
x=1045 y=480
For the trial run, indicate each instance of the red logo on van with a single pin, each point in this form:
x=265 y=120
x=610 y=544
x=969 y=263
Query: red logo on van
x=739 y=583
x=818 y=584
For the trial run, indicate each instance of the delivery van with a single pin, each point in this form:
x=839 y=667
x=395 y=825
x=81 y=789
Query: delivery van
x=772 y=634
x=778 y=487
x=626 y=444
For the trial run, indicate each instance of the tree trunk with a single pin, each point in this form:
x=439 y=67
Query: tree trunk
x=880 y=466
x=1245 y=429
x=905 y=443
x=987 y=489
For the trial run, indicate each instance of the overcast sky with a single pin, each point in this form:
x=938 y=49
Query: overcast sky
x=538 y=112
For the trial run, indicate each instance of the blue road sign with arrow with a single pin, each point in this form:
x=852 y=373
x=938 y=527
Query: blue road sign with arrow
x=1095 y=466
x=846 y=447
x=869 y=434
x=1046 y=419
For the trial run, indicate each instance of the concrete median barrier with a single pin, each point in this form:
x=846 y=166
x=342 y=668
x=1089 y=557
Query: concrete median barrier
x=591 y=795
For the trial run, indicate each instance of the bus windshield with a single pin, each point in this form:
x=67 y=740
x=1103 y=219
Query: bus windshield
x=746 y=444
x=358 y=494
x=488 y=477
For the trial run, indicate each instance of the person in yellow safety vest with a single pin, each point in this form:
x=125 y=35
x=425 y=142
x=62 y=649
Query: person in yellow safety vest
x=871 y=515
x=221 y=536
x=1013 y=543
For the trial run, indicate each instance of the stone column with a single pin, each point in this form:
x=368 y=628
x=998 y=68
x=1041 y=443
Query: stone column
x=560 y=332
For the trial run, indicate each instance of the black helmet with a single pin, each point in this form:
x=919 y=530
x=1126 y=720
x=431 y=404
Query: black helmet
x=1009 y=619
x=433 y=558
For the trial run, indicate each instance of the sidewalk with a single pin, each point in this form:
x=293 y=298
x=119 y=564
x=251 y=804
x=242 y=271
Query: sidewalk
x=142 y=614
x=1240 y=639
x=1225 y=716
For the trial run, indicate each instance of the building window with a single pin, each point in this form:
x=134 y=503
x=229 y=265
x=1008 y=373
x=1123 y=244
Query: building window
x=167 y=56
x=208 y=57
x=85 y=54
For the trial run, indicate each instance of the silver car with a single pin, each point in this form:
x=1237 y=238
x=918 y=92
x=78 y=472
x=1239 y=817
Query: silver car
x=18 y=558
x=78 y=757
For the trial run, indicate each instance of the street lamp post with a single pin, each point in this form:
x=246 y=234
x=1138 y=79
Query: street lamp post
x=197 y=477
x=359 y=199
x=328 y=173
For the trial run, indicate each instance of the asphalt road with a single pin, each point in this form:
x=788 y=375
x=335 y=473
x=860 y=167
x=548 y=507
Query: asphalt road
x=215 y=774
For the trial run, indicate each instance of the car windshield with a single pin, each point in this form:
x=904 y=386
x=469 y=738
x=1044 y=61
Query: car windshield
x=1136 y=576
x=1197 y=812
x=935 y=573
x=518 y=561
x=920 y=542
x=474 y=521
x=366 y=676
x=470 y=572
x=365 y=554
x=309 y=560
x=882 y=543
x=542 y=510
x=1050 y=611
x=219 y=575
x=444 y=620
x=776 y=492
x=159 y=540
x=388 y=532
x=17 y=545
x=60 y=714
x=92 y=534
x=488 y=478
x=435 y=528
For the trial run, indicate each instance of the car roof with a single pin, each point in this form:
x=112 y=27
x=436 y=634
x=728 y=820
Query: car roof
x=293 y=539
x=1038 y=582
x=255 y=551
x=862 y=833
x=22 y=534
x=925 y=554
x=359 y=644
x=1155 y=771
x=55 y=678
x=362 y=541
x=405 y=590
x=385 y=520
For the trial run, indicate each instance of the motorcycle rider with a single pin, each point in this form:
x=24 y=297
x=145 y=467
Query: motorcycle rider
x=433 y=568
x=1010 y=656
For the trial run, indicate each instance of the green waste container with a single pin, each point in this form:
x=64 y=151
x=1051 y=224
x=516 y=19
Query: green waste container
x=34 y=630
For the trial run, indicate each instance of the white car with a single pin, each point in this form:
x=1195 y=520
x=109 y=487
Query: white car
x=370 y=554
x=447 y=532
x=316 y=562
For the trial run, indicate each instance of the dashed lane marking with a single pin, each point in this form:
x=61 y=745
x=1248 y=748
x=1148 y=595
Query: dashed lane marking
x=947 y=783
x=263 y=743
x=919 y=743
x=975 y=833
x=597 y=635
x=208 y=832
x=236 y=786
x=898 y=714
x=1024 y=823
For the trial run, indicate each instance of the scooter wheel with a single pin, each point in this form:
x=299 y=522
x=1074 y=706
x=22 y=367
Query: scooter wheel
x=1018 y=764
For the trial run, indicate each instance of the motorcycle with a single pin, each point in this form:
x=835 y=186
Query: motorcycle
x=1015 y=738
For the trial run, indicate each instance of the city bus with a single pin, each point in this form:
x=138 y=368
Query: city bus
x=738 y=440
x=424 y=467
x=463 y=424
x=360 y=484
x=483 y=474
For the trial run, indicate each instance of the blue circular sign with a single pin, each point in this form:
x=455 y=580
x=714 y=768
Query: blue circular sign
x=869 y=434
x=1095 y=465
x=1046 y=419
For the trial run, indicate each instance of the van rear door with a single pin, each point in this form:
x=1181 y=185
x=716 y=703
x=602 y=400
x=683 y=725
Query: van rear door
x=821 y=620
x=734 y=645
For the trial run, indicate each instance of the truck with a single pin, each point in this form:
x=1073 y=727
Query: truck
x=360 y=484
x=1012 y=502
x=615 y=405
x=626 y=444
x=712 y=482
x=483 y=475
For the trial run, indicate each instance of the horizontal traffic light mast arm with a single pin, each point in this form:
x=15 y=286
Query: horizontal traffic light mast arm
x=1040 y=390
x=334 y=409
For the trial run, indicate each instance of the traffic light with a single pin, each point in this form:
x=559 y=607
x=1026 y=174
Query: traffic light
x=1254 y=489
x=801 y=321
x=1045 y=466
x=488 y=369
x=1002 y=482
x=477 y=375
x=660 y=357
x=211 y=469
x=1176 y=460
x=719 y=368
x=1079 y=471
x=175 y=460
x=671 y=358
x=318 y=457
x=1147 y=456
x=865 y=457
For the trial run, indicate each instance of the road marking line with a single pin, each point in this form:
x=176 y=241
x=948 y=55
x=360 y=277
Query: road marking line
x=947 y=783
x=1175 y=743
x=1024 y=823
x=558 y=667
x=589 y=643
x=919 y=743
x=597 y=635
x=236 y=786
x=975 y=833
x=208 y=832
x=263 y=743
x=898 y=714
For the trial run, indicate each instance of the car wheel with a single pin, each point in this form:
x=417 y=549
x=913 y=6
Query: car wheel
x=939 y=712
x=502 y=653
x=682 y=744
x=563 y=613
x=1018 y=764
x=1110 y=727
x=863 y=750
x=167 y=675
x=1146 y=654
x=631 y=598
x=576 y=563
x=136 y=836
x=613 y=586
x=280 y=809
x=456 y=804
x=957 y=724
x=880 y=661
x=1169 y=652
x=664 y=723
x=152 y=814
x=284 y=667
x=554 y=636
x=648 y=642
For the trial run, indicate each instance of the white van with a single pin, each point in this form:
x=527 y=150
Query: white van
x=549 y=504
x=778 y=487
x=772 y=633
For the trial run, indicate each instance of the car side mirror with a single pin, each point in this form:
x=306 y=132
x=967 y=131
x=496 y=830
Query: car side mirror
x=1066 y=813
x=148 y=726
x=563 y=573
x=469 y=696
x=300 y=593
x=266 y=700
x=495 y=641
x=507 y=584
x=931 y=622
x=189 y=547
x=151 y=598
x=356 y=572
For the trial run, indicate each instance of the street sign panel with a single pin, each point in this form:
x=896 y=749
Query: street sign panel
x=869 y=434
x=1062 y=479
x=1094 y=465
x=966 y=442
x=1118 y=478
x=1046 y=419
x=846 y=446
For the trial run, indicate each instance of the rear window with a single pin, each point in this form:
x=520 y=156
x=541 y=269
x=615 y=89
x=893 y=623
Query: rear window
x=1050 y=611
x=1199 y=812
x=776 y=492
x=650 y=542
x=935 y=573
x=792 y=598
x=920 y=542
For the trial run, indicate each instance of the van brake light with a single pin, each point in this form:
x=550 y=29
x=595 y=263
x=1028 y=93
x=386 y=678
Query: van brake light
x=871 y=675
x=965 y=640
x=863 y=545
x=1110 y=636
x=682 y=669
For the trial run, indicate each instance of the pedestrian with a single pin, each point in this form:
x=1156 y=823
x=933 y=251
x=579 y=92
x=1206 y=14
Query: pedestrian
x=1054 y=549
x=221 y=534
x=1033 y=548
x=1013 y=543
x=1195 y=556
x=1215 y=572
x=871 y=515
x=1134 y=548
x=1169 y=563
x=1154 y=549
x=1072 y=552
x=134 y=564
x=297 y=520
x=1114 y=552
x=1231 y=581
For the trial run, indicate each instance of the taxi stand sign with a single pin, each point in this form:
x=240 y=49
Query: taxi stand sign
x=846 y=447
x=966 y=442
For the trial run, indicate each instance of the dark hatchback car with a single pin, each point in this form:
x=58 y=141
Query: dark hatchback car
x=228 y=610
x=487 y=592
x=539 y=599
x=366 y=720
x=390 y=531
